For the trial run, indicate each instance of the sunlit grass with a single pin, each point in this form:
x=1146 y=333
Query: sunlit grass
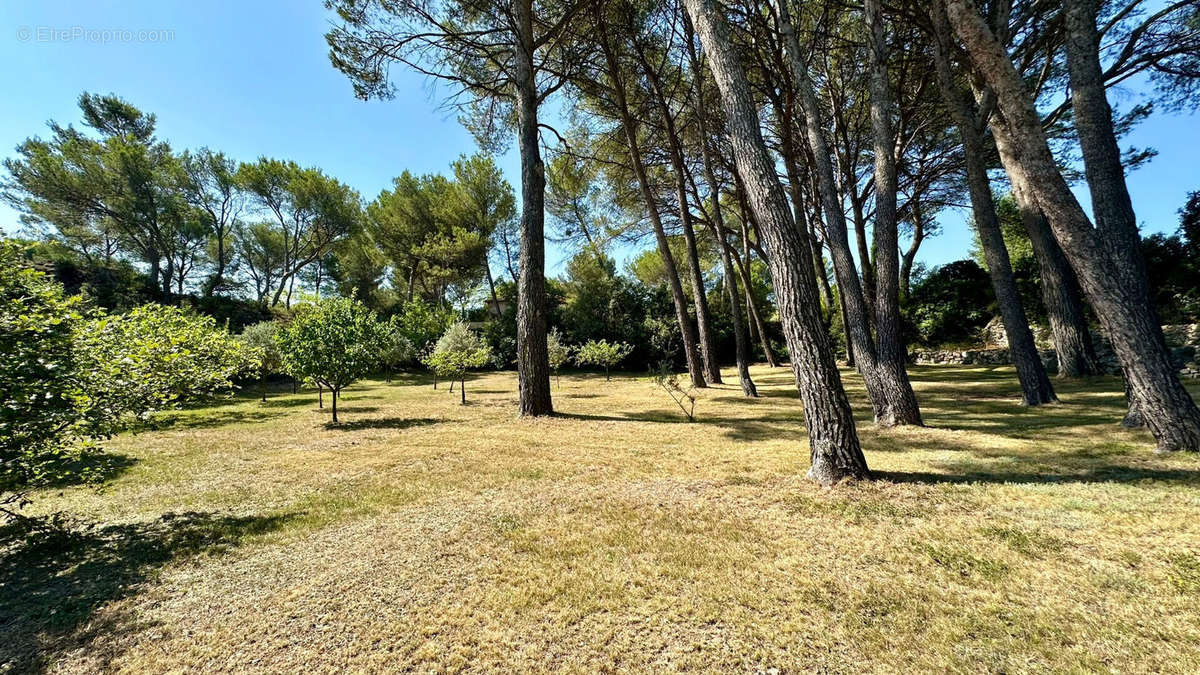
x=427 y=535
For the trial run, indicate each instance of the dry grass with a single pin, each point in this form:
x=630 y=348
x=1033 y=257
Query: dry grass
x=430 y=536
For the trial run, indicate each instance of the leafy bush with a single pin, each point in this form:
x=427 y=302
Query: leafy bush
x=332 y=343
x=423 y=323
x=261 y=337
x=952 y=304
x=557 y=350
x=68 y=379
x=602 y=353
x=458 y=350
x=395 y=349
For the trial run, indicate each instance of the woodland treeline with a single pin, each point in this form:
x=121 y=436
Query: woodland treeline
x=827 y=121
x=784 y=160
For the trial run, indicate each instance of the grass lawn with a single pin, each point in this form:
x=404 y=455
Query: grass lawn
x=426 y=535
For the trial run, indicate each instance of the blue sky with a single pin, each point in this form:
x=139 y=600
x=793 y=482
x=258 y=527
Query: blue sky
x=253 y=79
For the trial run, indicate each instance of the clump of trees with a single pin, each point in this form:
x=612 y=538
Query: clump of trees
x=71 y=375
x=456 y=352
x=332 y=343
x=602 y=353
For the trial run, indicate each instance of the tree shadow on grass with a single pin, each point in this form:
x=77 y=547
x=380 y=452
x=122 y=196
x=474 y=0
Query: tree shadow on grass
x=210 y=419
x=53 y=581
x=89 y=467
x=383 y=423
x=959 y=473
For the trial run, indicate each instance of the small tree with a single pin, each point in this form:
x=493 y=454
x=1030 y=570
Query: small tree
x=558 y=351
x=261 y=337
x=602 y=353
x=333 y=343
x=395 y=349
x=666 y=379
x=457 y=351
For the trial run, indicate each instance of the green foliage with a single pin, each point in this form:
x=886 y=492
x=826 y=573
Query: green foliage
x=459 y=350
x=68 y=379
x=395 y=348
x=558 y=350
x=952 y=304
x=332 y=343
x=1173 y=267
x=423 y=323
x=154 y=358
x=42 y=397
x=261 y=337
x=602 y=353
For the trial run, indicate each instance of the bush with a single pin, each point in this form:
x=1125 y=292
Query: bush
x=557 y=350
x=602 y=353
x=261 y=337
x=952 y=304
x=423 y=323
x=332 y=343
x=395 y=348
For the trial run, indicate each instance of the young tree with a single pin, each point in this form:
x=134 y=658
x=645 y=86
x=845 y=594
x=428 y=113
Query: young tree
x=333 y=343
x=557 y=350
x=458 y=350
x=602 y=353
x=261 y=337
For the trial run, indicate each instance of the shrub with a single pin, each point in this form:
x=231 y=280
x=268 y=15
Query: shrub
x=261 y=336
x=395 y=348
x=602 y=353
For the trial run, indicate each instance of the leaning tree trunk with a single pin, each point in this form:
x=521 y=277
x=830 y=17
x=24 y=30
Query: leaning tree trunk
x=633 y=147
x=716 y=226
x=743 y=262
x=533 y=363
x=833 y=438
x=708 y=350
x=1060 y=289
x=890 y=352
x=1035 y=384
x=890 y=392
x=1109 y=270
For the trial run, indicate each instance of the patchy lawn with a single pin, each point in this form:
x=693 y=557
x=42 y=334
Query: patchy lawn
x=426 y=535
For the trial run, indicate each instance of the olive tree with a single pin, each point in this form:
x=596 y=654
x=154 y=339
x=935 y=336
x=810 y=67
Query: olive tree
x=395 y=349
x=261 y=336
x=457 y=351
x=557 y=350
x=602 y=353
x=333 y=343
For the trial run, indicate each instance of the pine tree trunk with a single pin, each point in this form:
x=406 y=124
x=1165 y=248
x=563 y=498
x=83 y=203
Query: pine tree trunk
x=1108 y=267
x=833 y=438
x=686 y=328
x=757 y=324
x=1035 y=384
x=890 y=392
x=717 y=226
x=1060 y=289
x=890 y=352
x=533 y=363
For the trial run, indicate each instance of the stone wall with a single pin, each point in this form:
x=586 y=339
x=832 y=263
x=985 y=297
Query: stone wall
x=1184 y=342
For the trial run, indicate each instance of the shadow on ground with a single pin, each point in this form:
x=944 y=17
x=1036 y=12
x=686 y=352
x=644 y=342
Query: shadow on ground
x=383 y=423
x=53 y=577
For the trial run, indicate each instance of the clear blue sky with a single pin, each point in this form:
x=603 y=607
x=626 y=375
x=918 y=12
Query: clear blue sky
x=252 y=78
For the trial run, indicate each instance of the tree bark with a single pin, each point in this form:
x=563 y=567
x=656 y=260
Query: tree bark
x=686 y=328
x=890 y=392
x=533 y=364
x=333 y=399
x=1035 y=384
x=757 y=324
x=708 y=351
x=1073 y=345
x=1109 y=269
x=891 y=355
x=833 y=438
x=717 y=225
